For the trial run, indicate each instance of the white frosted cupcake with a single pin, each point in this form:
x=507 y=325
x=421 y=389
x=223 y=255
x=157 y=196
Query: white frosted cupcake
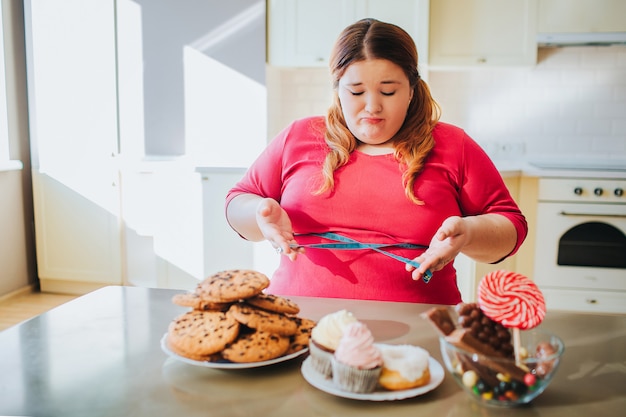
x=325 y=338
x=357 y=362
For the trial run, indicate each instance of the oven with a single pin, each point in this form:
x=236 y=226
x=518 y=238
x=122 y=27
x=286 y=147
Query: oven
x=580 y=248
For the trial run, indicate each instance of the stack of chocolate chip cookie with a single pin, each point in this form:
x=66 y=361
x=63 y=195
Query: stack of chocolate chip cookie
x=232 y=319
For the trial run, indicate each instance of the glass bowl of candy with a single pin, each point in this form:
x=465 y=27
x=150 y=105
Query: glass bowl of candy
x=510 y=379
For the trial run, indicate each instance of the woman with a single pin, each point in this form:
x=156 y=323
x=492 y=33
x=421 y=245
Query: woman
x=379 y=168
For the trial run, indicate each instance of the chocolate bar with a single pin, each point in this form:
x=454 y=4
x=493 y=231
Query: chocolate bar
x=463 y=339
x=440 y=317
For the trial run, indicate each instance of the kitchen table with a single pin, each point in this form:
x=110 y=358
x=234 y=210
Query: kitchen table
x=100 y=355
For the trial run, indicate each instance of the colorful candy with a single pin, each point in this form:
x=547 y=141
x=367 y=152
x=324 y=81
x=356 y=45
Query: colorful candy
x=504 y=391
x=511 y=299
x=469 y=378
x=530 y=380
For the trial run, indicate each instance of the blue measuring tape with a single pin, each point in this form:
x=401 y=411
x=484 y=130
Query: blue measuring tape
x=350 y=244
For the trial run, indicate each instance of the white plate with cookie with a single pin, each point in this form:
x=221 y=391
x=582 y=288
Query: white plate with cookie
x=223 y=364
x=325 y=384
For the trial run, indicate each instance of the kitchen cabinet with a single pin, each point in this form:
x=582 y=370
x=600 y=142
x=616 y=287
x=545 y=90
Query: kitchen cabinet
x=73 y=127
x=78 y=241
x=581 y=16
x=584 y=301
x=192 y=236
x=301 y=33
x=527 y=197
x=524 y=191
x=482 y=33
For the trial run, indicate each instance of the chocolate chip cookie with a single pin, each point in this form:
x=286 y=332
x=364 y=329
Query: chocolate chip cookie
x=256 y=347
x=263 y=320
x=300 y=340
x=232 y=285
x=199 y=334
x=274 y=303
x=196 y=302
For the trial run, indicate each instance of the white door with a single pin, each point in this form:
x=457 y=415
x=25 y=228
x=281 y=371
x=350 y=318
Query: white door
x=71 y=65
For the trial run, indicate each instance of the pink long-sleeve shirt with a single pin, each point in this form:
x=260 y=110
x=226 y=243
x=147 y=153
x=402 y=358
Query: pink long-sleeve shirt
x=369 y=204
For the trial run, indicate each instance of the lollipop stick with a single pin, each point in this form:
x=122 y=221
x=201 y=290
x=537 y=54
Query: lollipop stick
x=517 y=345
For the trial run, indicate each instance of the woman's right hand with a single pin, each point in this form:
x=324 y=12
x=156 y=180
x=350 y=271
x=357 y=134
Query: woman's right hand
x=275 y=225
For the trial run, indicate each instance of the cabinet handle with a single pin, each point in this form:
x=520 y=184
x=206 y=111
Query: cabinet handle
x=569 y=213
x=591 y=301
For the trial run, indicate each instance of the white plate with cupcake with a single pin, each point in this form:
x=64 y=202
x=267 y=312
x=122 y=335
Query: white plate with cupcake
x=344 y=361
x=327 y=385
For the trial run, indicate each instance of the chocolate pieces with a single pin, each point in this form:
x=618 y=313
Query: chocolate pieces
x=462 y=339
x=440 y=318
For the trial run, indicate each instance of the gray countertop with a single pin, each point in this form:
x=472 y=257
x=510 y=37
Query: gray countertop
x=561 y=169
x=614 y=169
x=100 y=355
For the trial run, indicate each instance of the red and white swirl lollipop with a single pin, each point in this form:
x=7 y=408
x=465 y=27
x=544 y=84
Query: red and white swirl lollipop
x=511 y=299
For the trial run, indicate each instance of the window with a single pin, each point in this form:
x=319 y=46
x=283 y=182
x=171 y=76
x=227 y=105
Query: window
x=4 y=129
x=5 y=157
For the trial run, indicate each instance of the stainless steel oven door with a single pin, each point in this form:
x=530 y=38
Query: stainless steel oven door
x=581 y=246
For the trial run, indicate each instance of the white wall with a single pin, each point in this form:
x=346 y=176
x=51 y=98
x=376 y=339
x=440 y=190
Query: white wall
x=228 y=32
x=14 y=225
x=17 y=253
x=572 y=103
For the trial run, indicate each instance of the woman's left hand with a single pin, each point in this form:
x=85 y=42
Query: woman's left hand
x=448 y=241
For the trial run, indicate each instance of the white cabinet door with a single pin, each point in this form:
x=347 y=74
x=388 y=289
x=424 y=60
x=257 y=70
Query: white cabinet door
x=223 y=247
x=581 y=16
x=78 y=241
x=192 y=237
x=482 y=32
x=73 y=124
x=410 y=15
x=301 y=33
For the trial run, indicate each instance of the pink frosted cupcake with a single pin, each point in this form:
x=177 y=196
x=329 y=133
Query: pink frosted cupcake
x=357 y=362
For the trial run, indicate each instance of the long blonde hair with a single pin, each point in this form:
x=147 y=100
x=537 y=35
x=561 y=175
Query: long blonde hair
x=373 y=39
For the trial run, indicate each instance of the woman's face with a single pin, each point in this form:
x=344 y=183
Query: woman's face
x=374 y=95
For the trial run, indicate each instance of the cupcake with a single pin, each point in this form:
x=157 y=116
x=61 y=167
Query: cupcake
x=357 y=362
x=325 y=338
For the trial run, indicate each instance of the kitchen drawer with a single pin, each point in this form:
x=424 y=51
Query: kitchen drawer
x=585 y=300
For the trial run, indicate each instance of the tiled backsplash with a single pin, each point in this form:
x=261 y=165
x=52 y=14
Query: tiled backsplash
x=572 y=103
x=293 y=93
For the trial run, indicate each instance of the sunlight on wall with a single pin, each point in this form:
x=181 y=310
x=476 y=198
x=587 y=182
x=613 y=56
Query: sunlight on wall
x=72 y=98
x=178 y=237
x=225 y=118
x=225 y=127
x=130 y=80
